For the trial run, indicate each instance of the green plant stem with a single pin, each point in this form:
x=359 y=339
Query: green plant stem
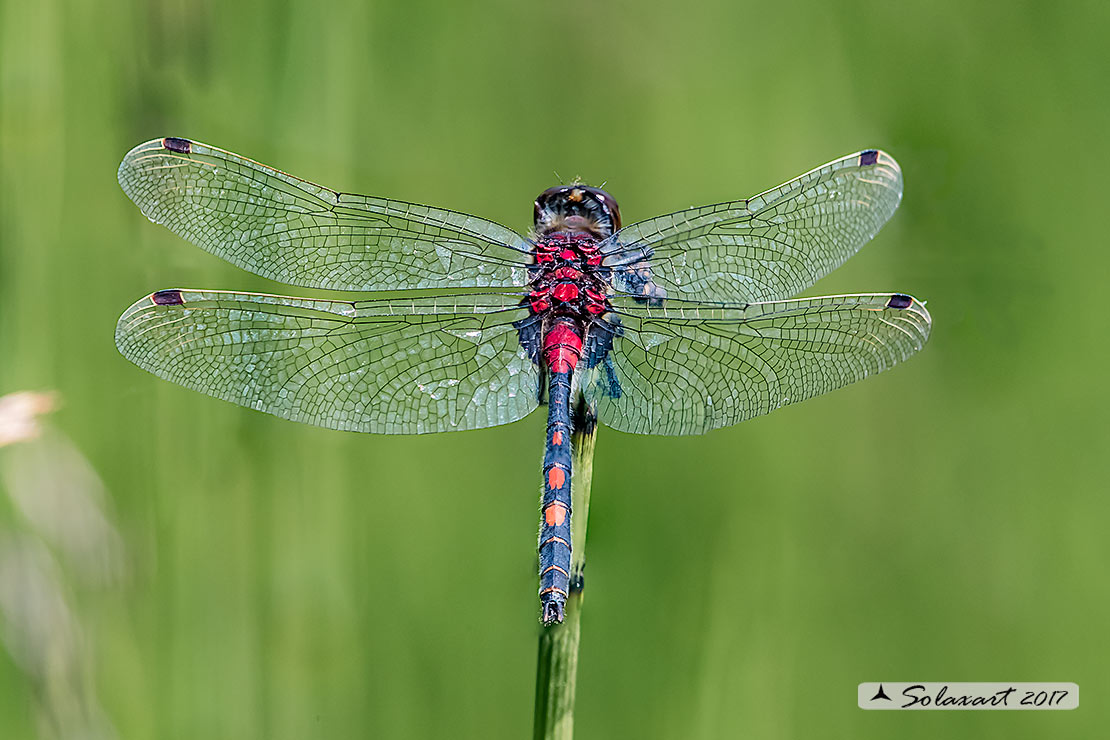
x=557 y=664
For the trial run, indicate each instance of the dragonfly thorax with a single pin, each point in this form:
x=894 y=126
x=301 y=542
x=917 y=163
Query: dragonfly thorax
x=568 y=278
x=569 y=290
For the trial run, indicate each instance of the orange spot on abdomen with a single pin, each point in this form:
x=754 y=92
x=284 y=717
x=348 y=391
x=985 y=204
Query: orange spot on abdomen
x=556 y=477
x=555 y=514
x=557 y=438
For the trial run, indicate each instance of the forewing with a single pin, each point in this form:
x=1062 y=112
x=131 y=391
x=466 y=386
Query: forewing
x=687 y=368
x=768 y=247
x=296 y=232
x=385 y=366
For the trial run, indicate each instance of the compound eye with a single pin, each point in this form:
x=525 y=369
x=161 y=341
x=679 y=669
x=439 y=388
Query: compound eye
x=545 y=200
x=551 y=194
x=611 y=206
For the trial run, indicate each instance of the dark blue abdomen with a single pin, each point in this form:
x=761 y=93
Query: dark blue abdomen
x=555 y=539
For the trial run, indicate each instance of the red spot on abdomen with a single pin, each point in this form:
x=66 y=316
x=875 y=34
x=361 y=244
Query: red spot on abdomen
x=557 y=438
x=562 y=347
x=555 y=514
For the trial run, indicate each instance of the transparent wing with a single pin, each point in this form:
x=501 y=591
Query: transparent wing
x=290 y=230
x=385 y=366
x=687 y=368
x=768 y=247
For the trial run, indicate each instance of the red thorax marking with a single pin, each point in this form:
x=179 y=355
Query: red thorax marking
x=565 y=292
x=567 y=273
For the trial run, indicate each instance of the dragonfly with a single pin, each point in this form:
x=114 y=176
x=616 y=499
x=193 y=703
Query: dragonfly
x=675 y=325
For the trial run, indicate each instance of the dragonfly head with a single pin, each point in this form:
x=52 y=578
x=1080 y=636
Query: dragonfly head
x=577 y=208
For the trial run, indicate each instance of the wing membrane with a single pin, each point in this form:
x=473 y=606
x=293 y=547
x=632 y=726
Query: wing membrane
x=687 y=368
x=384 y=366
x=296 y=232
x=768 y=247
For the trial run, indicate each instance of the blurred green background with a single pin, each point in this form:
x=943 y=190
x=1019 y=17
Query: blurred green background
x=944 y=521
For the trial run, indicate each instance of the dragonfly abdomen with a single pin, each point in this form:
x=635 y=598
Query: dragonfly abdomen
x=562 y=348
